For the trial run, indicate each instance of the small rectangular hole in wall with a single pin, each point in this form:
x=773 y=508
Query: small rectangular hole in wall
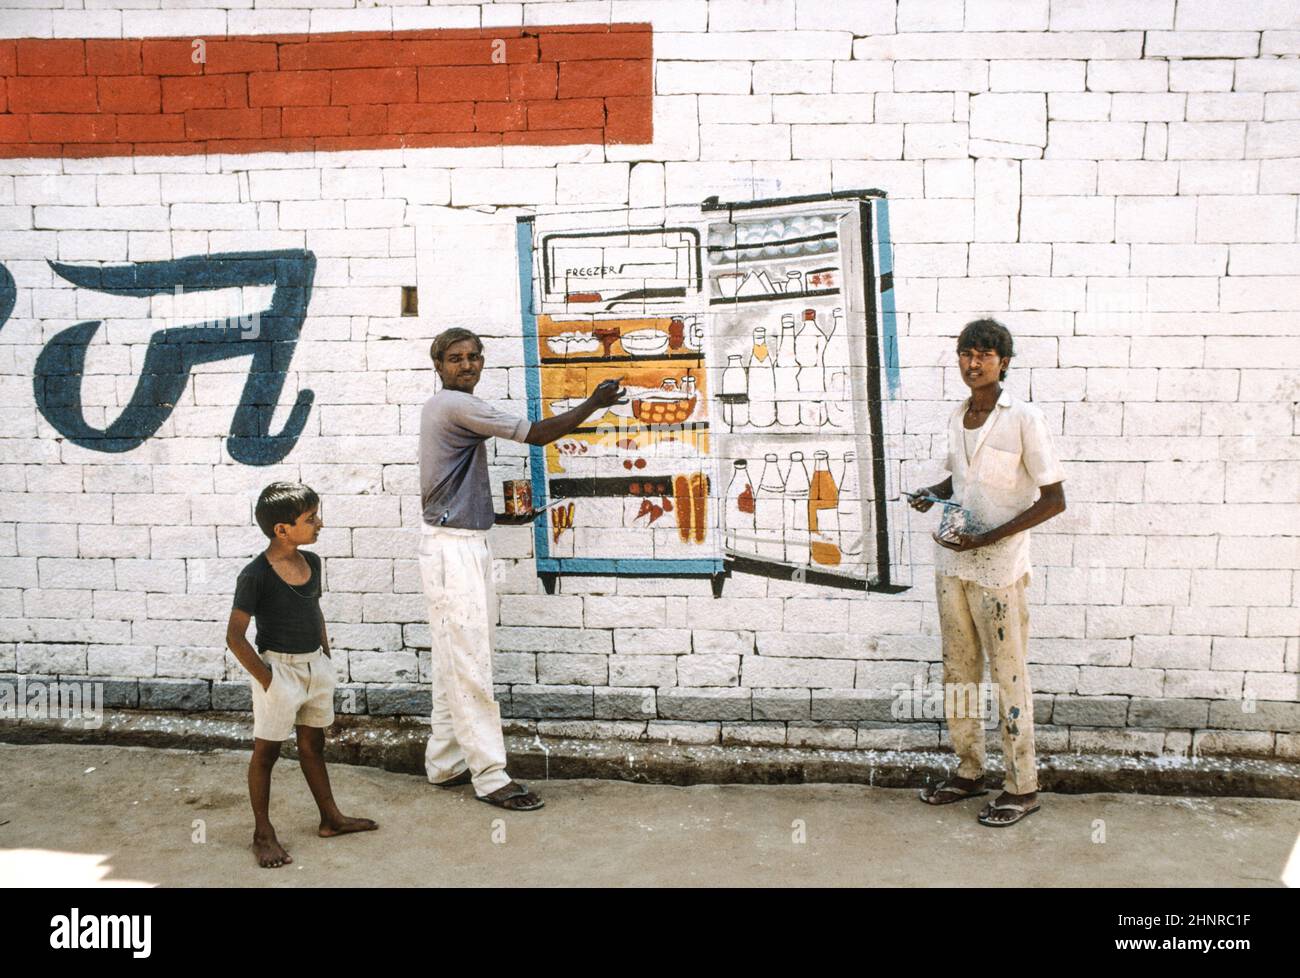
x=410 y=300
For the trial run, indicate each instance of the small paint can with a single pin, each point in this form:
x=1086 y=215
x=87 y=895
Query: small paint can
x=518 y=497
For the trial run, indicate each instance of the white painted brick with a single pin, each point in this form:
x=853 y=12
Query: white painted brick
x=1063 y=219
x=760 y=15
x=861 y=76
x=807 y=77
x=935 y=140
x=1200 y=76
x=997 y=198
x=1095 y=140
x=206 y=188
x=1202 y=44
x=1047 y=293
x=1260 y=218
x=1279 y=176
x=754 y=45
x=1128 y=76
x=1218 y=177
x=738 y=109
x=1269 y=140
x=858 y=16
x=1059 y=177
x=1128 y=177
x=1205 y=15
x=1078 y=106
x=1011 y=118
x=1274 y=259
x=1237 y=587
x=932 y=220
x=1013 y=45
x=1007 y=15
x=1142 y=107
x=472 y=185
x=1280 y=42
x=1099 y=15
x=941 y=76
x=1260 y=293
x=1252 y=654
x=1225 y=107
x=949 y=178
x=604 y=183
x=1009 y=259
x=860 y=141
x=749 y=142
x=1281 y=105
x=1207 y=140
x=1036 y=76
x=930 y=15
x=760 y=670
x=914 y=107
x=1155 y=219
x=1268 y=75
x=792 y=108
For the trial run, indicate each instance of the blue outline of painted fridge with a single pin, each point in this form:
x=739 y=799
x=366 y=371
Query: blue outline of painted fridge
x=758 y=345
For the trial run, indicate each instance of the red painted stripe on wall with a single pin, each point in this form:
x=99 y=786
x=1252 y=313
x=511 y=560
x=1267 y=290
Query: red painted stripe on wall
x=584 y=83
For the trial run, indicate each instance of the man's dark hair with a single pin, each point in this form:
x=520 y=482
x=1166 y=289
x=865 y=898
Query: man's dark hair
x=283 y=502
x=987 y=334
x=447 y=337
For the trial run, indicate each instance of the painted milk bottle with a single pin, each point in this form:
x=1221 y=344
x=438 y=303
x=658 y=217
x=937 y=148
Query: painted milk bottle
x=769 y=511
x=761 y=383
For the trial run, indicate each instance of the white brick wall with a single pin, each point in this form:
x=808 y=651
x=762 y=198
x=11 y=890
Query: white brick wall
x=1117 y=181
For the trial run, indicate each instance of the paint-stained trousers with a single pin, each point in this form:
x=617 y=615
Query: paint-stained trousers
x=993 y=622
x=456 y=567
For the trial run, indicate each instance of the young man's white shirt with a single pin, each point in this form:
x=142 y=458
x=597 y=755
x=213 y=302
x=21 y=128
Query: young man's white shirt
x=1013 y=458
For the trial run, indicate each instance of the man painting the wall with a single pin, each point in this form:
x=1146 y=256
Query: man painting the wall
x=466 y=743
x=1006 y=477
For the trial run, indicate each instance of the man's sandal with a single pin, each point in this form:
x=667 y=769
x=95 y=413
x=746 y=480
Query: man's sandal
x=945 y=793
x=465 y=777
x=514 y=797
x=1020 y=811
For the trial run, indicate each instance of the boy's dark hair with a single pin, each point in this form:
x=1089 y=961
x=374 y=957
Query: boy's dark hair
x=283 y=502
x=987 y=334
x=447 y=337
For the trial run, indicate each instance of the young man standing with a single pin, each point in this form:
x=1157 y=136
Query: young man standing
x=465 y=743
x=1005 y=474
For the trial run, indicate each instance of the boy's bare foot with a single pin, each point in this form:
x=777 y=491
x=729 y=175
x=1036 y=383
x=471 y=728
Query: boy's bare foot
x=344 y=824
x=270 y=854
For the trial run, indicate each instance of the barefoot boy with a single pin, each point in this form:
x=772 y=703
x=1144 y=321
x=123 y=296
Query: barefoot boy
x=293 y=678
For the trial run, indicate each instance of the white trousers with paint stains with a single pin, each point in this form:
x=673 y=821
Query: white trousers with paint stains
x=456 y=568
x=977 y=622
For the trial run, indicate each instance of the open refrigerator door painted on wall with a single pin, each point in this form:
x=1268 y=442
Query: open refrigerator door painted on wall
x=759 y=355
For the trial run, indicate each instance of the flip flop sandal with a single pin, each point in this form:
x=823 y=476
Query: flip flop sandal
x=465 y=777
x=930 y=795
x=1020 y=810
x=520 y=793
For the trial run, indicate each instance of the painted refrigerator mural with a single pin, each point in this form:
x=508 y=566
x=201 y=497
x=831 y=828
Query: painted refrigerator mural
x=757 y=344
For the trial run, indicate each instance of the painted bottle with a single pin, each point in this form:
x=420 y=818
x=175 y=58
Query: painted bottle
x=796 y=511
x=835 y=367
x=811 y=377
x=823 y=514
x=735 y=390
x=849 y=507
x=787 y=375
x=761 y=383
x=769 y=511
x=740 y=510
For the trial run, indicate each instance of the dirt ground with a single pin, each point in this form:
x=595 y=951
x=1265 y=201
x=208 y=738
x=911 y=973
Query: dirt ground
x=83 y=815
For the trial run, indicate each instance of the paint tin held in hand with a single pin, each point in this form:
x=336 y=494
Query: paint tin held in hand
x=518 y=497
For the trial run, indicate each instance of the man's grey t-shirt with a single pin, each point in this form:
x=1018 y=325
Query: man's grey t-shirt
x=454 y=487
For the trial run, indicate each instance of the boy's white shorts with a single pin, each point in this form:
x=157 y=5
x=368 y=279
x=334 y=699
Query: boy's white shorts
x=301 y=694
